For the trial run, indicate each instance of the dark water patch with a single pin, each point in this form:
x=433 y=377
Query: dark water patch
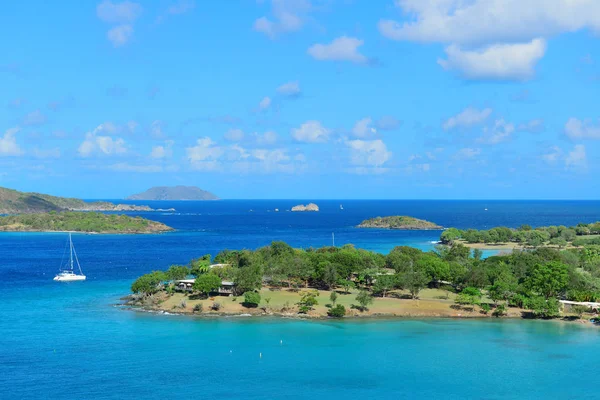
x=559 y=356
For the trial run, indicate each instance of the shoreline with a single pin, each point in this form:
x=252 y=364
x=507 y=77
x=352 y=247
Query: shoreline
x=352 y=318
x=283 y=305
x=88 y=233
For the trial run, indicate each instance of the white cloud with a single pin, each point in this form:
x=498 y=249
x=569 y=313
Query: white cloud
x=267 y=138
x=500 y=132
x=481 y=22
x=363 y=128
x=163 y=151
x=123 y=15
x=387 y=123
x=553 y=155
x=204 y=155
x=34 y=118
x=468 y=117
x=8 y=143
x=578 y=129
x=234 y=135
x=156 y=129
x=46 y=153
x=114 y=13
x=289 y=89
x=496 y=62
x=264 y=104
x=120 y=35
x=576 y=159
x=343 y=48
x=288 y=16
x=126 y=167
x=103 y=145
x=181 y=7
x=533 y=126
x=369 y=153
x=311 y=132
x=467 y=153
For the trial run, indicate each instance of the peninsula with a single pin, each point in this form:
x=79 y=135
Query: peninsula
x=174 y=193
x=399 y=222
x=15 y=202
x=308 y=207
x=89 y=222
x=350 y=282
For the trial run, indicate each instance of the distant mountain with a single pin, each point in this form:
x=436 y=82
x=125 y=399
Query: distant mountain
x=174 y=193
x=15 y=202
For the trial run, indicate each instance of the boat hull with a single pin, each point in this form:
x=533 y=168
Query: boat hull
x=69 y=278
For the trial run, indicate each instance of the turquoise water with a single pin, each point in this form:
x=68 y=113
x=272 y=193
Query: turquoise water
x=71 y=341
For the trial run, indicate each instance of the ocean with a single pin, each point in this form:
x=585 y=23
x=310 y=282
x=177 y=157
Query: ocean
x=73 y=340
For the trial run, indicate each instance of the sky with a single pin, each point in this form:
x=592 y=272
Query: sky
x=307 y=99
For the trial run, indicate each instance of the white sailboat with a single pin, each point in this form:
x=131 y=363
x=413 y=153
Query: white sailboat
x=67 y=273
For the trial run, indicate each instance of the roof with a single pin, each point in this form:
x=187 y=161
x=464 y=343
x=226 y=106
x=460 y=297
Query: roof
x=581 y=303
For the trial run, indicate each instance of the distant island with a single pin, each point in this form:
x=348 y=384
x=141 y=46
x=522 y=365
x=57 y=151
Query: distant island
x=15 y=202
x=89 y=222
x=174 y=193
x=308 y=207
x=399 y=222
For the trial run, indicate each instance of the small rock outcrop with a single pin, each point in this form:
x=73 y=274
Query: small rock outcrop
x=308 y=207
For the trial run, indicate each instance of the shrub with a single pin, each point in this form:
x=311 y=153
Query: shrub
x=251 y=299
x=364 y=299
x=198 y=308
x=215 y=306
x=183 y=304
x=337 y=312
x=485 y=308
x=499 y=311
x=579 y=310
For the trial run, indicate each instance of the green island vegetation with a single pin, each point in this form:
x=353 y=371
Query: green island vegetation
x=15 y=202
x=399 y=222
x=451 y=281
x=525 y=235
x=91 y=222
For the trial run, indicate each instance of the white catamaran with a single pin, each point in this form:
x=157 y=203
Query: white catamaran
x=66 y=273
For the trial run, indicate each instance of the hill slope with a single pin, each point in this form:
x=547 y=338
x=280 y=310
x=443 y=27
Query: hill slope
x=174 y=193
x=15 y=202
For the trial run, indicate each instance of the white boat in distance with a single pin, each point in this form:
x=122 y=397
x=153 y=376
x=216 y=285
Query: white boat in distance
x=67 y=273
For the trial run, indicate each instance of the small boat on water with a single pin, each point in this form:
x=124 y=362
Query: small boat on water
x=67 y=272
x=341 y=207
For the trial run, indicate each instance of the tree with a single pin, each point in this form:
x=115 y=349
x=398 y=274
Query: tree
x=347 y=284
x=449 y=235
x=364 y=299
x=548 y=279
x=308 y=299
x=337 y=312
x=499 y=311
x=200 y=265
x=477 y=254
x=504 y=286
x=207 y=283
x=470 y=296
x=248 y=278
x=330 y=275
x=384 y=284
x=414 y=281
x=176 y=272
x=333 y=298
x=251 y=299
x=149 y=283
x=543 y=308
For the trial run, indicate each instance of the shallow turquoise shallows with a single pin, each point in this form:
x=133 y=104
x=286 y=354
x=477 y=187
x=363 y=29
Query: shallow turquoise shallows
x=72 y=340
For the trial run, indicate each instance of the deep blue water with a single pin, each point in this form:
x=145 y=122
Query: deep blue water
x=70 y=341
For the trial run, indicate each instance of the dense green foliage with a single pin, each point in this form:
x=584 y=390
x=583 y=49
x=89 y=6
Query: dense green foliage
x=207 y=283
x=176 y=272
x=559 y=236
x=398 y=222
x=251 y=299
x=337 y=311
x=149 y=283
x=530 y=279
x=80 y=222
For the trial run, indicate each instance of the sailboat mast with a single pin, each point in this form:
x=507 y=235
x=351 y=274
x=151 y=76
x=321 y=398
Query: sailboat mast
x=332 y=239
x=71 y=250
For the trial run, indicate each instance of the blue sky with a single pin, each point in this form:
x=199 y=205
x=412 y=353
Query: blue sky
x=443 y=99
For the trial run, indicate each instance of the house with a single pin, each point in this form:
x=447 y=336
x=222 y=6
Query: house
x=187 y=285
x=594 y=307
